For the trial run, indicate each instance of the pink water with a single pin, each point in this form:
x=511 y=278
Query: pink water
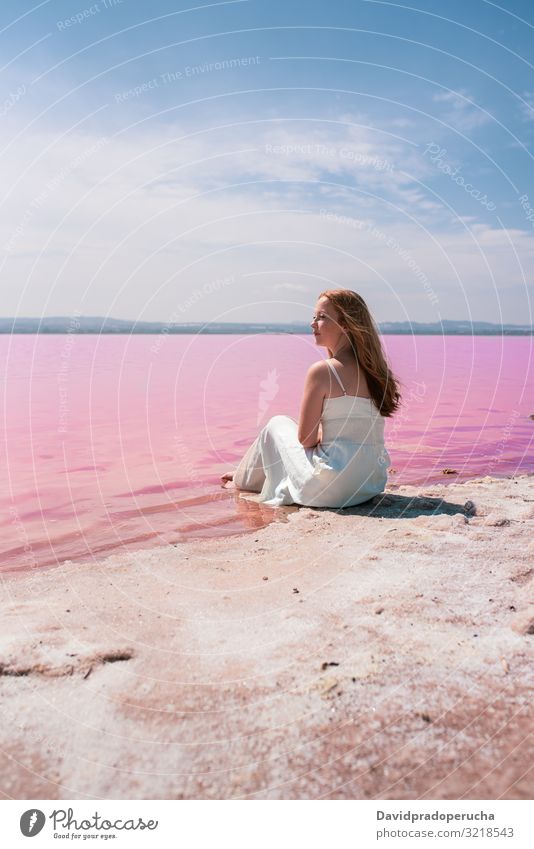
x=118 y=442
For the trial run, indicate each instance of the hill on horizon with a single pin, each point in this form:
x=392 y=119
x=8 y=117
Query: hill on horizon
x=100 y=324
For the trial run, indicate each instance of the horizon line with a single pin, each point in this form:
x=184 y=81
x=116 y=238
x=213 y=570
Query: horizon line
x=92 y=325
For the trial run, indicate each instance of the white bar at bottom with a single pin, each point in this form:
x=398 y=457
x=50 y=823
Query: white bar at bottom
x=255 y=824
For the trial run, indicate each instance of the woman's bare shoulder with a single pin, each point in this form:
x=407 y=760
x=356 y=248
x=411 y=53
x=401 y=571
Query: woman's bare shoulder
x=318 y=371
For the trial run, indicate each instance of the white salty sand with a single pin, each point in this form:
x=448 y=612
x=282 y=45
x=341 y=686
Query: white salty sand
x=384 y=651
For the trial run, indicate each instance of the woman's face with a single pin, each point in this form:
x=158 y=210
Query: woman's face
x=325 y=325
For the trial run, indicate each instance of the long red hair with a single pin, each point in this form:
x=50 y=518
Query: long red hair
x=356 y=320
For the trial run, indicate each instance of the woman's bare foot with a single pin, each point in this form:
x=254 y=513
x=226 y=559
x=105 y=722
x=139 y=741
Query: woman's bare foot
x=226 y=478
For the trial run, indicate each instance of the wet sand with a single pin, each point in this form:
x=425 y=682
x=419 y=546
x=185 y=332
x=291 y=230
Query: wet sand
x=383 y=651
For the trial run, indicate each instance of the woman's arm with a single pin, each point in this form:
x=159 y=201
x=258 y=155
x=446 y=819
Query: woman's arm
x=312 y=405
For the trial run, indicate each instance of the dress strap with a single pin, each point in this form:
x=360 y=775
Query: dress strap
x=336 y=375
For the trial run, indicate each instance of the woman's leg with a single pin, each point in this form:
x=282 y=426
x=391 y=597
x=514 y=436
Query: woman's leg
x=284 y=459
x=250 y=474
x=274 y=454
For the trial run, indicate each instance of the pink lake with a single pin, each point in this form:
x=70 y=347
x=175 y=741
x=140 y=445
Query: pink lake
x=117 y=442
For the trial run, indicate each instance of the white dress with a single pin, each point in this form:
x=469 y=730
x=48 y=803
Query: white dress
x=349 y=465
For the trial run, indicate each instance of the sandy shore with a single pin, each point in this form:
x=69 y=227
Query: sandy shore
x=383 y=651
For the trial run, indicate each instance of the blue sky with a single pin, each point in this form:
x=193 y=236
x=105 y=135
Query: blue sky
x=228 y=161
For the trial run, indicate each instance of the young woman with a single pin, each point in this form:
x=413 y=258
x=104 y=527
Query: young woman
x=335 y=456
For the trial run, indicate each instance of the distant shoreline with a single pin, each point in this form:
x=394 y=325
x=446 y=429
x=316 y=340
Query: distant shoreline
x=97 y=325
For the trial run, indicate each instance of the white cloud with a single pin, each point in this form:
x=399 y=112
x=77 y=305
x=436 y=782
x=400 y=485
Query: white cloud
x=292 y=287
x=144 y=219
x=461 y=110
